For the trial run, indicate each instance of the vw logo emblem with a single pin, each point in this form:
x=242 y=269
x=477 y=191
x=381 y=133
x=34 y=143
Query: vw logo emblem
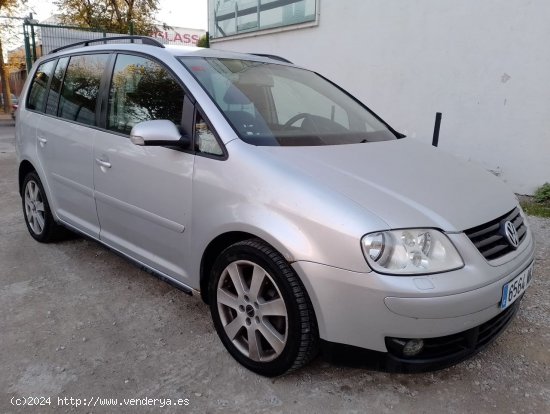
x=511 y=234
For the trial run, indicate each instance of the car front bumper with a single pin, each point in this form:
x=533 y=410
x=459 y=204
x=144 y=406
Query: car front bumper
x=365 y=309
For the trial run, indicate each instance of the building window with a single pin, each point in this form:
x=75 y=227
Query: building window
x=232 y=17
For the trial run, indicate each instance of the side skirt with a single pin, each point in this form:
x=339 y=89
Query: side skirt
x=149 y=269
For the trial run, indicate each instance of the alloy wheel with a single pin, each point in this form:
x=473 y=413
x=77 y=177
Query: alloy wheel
x=252 y=311
x=34 y=207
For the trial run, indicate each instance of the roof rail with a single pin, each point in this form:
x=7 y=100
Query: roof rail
x=144 y=40
x=274 y=57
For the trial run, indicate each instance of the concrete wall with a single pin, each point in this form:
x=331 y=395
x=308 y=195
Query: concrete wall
x=484 y=64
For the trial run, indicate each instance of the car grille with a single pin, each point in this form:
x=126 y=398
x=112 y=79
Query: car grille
x=489 y=238
x=458 y=346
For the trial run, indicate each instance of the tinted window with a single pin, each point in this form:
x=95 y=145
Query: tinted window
x=81 y=88
x=37 y=93
x=142 y=90
x=55 y=86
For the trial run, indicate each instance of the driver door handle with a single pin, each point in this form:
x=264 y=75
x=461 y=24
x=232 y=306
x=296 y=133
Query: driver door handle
x=102 y=163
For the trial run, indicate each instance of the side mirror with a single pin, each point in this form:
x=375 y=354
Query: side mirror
x=158 y=132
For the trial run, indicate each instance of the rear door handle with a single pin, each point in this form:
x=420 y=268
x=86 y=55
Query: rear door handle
x=101 y=163
x=42 y=141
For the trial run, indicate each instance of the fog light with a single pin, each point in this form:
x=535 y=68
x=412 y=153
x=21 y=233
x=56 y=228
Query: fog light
x=413 y=347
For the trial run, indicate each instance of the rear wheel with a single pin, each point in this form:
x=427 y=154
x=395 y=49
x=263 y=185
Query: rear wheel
x=261 y=310
x=36 y=209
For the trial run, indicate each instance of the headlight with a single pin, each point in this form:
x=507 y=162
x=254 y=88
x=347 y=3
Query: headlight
x=410 y=252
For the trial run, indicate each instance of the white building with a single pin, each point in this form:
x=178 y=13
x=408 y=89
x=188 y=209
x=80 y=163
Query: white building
x=484 y=64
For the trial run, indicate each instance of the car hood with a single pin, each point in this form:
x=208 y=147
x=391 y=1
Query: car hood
x=404 y=182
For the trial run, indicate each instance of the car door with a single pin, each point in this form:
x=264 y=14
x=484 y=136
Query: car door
x=143 y=193
x=30 y=121
x=66 y=135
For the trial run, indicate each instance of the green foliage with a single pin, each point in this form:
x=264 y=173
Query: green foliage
x=114 y=16
x=536 y=209
x=203 y=41
x=542 y=194
x=539 y=204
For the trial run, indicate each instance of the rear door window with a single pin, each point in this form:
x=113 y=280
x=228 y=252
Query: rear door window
x=80 y=88
x=55 y=86
x=38 y=90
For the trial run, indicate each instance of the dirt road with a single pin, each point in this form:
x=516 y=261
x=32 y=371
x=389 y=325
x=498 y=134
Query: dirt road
x=77 y=321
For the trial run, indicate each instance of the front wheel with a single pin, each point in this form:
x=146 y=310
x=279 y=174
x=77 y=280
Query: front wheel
x=261 y=310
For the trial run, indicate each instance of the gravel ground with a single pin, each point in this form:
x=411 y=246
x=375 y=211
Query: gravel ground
x=78 y=321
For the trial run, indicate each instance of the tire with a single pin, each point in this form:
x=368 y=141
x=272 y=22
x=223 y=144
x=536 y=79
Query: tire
x=254 y=293
x=37 y=213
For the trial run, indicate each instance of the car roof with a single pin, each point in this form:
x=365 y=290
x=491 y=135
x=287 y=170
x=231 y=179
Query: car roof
x=174 y=50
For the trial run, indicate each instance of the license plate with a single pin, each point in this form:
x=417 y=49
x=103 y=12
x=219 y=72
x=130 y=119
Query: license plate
x=515 y=288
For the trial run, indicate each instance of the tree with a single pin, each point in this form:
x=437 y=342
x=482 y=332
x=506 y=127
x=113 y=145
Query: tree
x=7 y=8
x=110 y=15
x=203 y=41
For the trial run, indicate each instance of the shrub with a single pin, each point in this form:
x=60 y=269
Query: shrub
x=542 y=194
x=203 y=41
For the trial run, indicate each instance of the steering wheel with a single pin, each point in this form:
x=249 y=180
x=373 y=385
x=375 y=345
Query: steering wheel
x=295 y=118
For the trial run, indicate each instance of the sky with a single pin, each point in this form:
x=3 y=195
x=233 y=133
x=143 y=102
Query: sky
x=190 y=14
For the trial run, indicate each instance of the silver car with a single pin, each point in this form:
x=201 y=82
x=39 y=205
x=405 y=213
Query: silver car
x=298 y=215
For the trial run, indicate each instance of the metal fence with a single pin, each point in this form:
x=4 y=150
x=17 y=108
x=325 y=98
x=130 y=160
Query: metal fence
x=41 y=39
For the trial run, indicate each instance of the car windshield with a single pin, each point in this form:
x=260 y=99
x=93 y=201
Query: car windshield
x=279 y=105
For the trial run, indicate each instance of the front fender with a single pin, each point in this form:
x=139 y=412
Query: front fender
x=299 y=216
x=296 y=238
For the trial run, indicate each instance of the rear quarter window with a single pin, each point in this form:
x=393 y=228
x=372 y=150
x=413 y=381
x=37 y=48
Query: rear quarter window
x=38 y=90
